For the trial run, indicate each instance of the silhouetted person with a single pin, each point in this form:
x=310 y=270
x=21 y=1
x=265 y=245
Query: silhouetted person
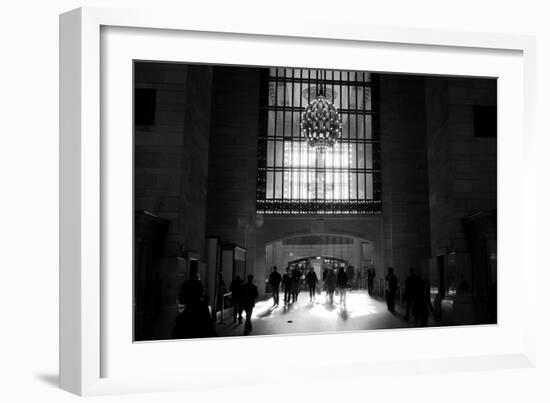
x=296 y=274
x=249 y=293
x=342 y=284
x=330 y=283
x=191 y=291
x=287 y=285
x=275 y=282
x=422 y=303
x=221 y=290
x=311 y=281
x=391 y=288
x=350 y=272
x=371 y=273
x=413 y=286
x=235 y=289
x=195 y=320
x=359 y=278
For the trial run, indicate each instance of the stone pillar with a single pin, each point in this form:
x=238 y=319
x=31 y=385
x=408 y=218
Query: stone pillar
x=405 y=204
x=231 y=204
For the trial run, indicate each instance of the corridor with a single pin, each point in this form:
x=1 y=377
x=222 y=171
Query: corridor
x=362 y=312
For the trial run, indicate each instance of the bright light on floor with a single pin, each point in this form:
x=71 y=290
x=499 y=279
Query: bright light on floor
x=357 y=304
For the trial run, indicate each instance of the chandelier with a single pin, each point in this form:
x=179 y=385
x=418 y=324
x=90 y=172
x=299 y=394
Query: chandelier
x=321 y=124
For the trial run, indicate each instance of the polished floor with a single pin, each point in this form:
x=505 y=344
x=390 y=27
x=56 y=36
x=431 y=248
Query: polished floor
x=360 y=312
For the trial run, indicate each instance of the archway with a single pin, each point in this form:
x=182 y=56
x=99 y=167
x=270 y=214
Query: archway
x=320 y=251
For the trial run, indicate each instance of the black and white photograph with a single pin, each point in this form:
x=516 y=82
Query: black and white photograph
x=283 y=200
x=303 y=201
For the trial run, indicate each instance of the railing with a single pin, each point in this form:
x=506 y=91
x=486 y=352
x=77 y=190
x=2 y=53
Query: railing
x=227 y=294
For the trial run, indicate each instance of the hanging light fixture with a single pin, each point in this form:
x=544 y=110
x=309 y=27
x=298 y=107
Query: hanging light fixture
x=321 y=124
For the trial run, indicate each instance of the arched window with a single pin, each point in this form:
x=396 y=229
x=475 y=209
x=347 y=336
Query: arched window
x=293 y=178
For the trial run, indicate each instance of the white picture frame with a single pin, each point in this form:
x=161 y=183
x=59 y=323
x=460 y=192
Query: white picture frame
x=96 y=356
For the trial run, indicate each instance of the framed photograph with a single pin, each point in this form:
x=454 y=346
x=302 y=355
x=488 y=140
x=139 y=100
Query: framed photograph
x=330 y=193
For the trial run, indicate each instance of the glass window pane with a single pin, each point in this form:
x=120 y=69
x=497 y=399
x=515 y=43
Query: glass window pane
x=269 y=185
x=296 y=126
x=369 y=193
x=311 y=157
x=295 y=181
x=311 y=184
x=360 y=127
x=353 y=185
x=279 y=124
x=281 y=93
x=367 y=99
x=286 y=185
x=271 y=123
x=368 y=127
x=297 y=96
x=272 y=101
x=270 y=153
x=352 y=126
x=361 y=156
x=278 y=184
x=353 y=153
x=368 y=156
x=319 y=189
x=304 y=184
x=337 y=99
x=353 y=99
x=344 y=97
x=345 y=185
x=361 y=186
x=360 y=105
x=345 y=126
x=288 y=124
x=278 y=153
x=287 y=146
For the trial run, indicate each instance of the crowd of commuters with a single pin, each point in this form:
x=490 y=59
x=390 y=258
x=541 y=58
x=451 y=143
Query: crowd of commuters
x=195 y=320
x=341 y=280
x=335 y=279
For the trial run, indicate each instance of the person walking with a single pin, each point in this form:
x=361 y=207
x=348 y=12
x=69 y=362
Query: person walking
x=287 y=285
x=235 y=288
x=249 y=293
x=422 y=304
x=391 y=288
x=413 y=287
x=350 y=272
x=371 y=273
x=330 y=284
x=274 y=282
x=295 y=274
x=311 y=281
x=342 y=284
